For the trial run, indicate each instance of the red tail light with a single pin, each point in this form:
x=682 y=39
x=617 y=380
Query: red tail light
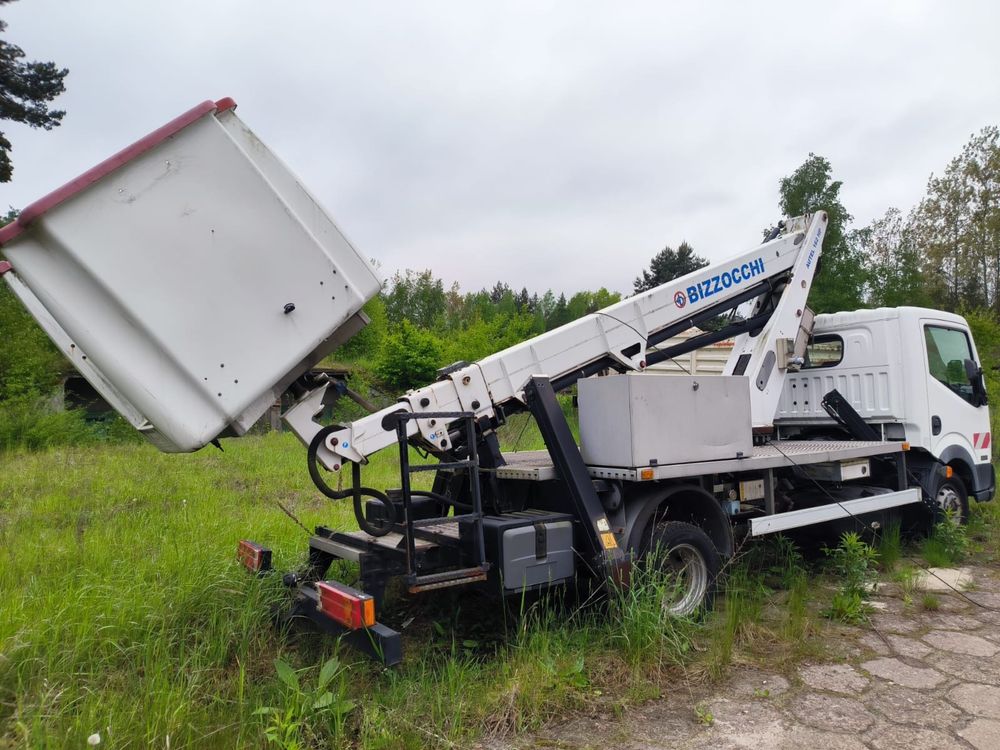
x=350 y=608
x=253 y=557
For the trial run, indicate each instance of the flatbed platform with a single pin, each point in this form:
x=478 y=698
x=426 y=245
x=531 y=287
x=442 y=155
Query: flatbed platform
x=536 y=466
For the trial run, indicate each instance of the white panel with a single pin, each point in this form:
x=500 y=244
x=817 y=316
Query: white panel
x=172 y=274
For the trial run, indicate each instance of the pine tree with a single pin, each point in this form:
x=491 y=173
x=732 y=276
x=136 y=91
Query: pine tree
x=26 y=88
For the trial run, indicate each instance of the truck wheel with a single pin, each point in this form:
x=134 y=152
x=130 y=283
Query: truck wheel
x=686 y=552
x=953 y=496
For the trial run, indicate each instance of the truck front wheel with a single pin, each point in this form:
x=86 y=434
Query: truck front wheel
x=953 y=497
x=686 y=554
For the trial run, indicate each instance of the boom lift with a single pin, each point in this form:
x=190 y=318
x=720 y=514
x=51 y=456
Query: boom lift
x=675 y=463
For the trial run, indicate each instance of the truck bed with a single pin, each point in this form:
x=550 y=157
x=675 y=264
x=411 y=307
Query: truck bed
x=536 y=466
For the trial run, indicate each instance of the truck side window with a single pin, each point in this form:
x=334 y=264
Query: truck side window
x=824 y=351
x=947 y=350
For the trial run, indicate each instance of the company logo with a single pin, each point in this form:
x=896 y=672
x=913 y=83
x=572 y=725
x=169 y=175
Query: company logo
x=680 y=300
x=812 y=250
x=722 y=281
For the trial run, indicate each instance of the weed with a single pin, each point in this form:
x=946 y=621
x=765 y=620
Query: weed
x=306 y=708
x=646 y=631
x=797 y=623
x=779 y=556
x=741 y=613
x=908 y=579
x=890 y=547
x=947 y=543
x=761 y=693
x=853 y=560
x=703 y=715
x=930 y=602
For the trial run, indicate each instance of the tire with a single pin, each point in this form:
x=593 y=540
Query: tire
x=951 y=494
x=686 y=551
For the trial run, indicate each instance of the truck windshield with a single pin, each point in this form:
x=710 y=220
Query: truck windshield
x=947 y=350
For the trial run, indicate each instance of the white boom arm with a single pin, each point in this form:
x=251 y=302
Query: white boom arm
x=620 y=335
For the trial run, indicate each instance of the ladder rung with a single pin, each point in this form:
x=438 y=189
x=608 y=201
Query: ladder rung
x=447 y=578
x=467 y=464
x=421 y=523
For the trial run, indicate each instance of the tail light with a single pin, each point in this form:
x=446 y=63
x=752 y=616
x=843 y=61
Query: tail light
x=253 y=557
x=350 y=608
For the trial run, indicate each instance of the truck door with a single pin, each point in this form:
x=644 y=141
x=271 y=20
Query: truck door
x=955 y=418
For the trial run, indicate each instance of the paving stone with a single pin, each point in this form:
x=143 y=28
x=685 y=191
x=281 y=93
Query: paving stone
x=967 y=668
x=981 y=700
x=889 y=623
x=903 y=674
x=982 y=734
x=949 y=621
x=837 y=678
x=798 y=738
x=989 y=599
x=873 y=642
x=902 y=705
x=944 y=579
x=759 y=685
x=895 y=737
x=985 y=579
x=834 y=713
x=960 y=643
x=908 y=646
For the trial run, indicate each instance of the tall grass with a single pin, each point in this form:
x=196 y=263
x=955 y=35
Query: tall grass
x=123 y=612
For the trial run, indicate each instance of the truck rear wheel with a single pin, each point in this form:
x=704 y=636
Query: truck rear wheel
x=685 y=552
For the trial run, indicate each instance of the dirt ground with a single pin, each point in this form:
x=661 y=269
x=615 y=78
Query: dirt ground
x=914 y=680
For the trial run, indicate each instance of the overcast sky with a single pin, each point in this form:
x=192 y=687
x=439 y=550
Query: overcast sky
x=545 y=144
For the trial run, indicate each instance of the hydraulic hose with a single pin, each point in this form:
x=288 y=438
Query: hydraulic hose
x=356 y=492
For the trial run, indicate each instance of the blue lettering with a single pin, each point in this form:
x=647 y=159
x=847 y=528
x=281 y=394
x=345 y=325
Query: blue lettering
x=727 y=280
x=692 y=293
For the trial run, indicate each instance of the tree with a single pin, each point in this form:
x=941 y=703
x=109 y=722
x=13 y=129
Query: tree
x=841 y=277
x=26 y=88
x=894 y=261
x=559 y=315
x=416 y=296
x=667 y=265
x=958 y=226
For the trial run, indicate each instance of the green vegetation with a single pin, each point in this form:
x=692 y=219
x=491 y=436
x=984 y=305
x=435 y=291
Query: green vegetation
x=947 y=544
x=853 y=561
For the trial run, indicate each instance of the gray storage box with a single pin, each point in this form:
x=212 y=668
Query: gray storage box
x=630 y=421
x=522 y=566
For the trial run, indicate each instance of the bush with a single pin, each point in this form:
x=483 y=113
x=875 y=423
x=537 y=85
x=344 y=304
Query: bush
x=410 y=357
x=33 y=425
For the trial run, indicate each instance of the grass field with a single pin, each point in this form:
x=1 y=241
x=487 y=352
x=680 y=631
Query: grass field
x=123 y=613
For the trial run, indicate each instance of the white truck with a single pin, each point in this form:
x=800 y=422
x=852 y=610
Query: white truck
x=911 y=374
x=192 y=280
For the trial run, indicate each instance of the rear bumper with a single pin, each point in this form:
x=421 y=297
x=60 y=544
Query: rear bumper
x=985 y=482
x=378 y=641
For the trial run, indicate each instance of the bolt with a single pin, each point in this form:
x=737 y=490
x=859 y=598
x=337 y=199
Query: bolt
x=289 y=307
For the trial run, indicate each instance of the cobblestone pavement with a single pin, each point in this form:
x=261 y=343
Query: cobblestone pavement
x=930 y=681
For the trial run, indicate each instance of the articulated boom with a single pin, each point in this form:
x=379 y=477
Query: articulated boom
x=618 y=337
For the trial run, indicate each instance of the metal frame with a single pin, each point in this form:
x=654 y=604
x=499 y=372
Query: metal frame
x=794 y=519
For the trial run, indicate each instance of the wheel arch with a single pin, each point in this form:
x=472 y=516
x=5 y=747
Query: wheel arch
x=685 y=502
x=961 y=463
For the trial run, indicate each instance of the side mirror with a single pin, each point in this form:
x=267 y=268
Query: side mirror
x=975 y=375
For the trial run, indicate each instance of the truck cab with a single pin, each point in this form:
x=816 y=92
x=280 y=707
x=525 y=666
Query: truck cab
x=913 y=374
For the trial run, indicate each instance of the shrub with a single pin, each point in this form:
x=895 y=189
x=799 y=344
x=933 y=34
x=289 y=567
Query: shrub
x=409 y=358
